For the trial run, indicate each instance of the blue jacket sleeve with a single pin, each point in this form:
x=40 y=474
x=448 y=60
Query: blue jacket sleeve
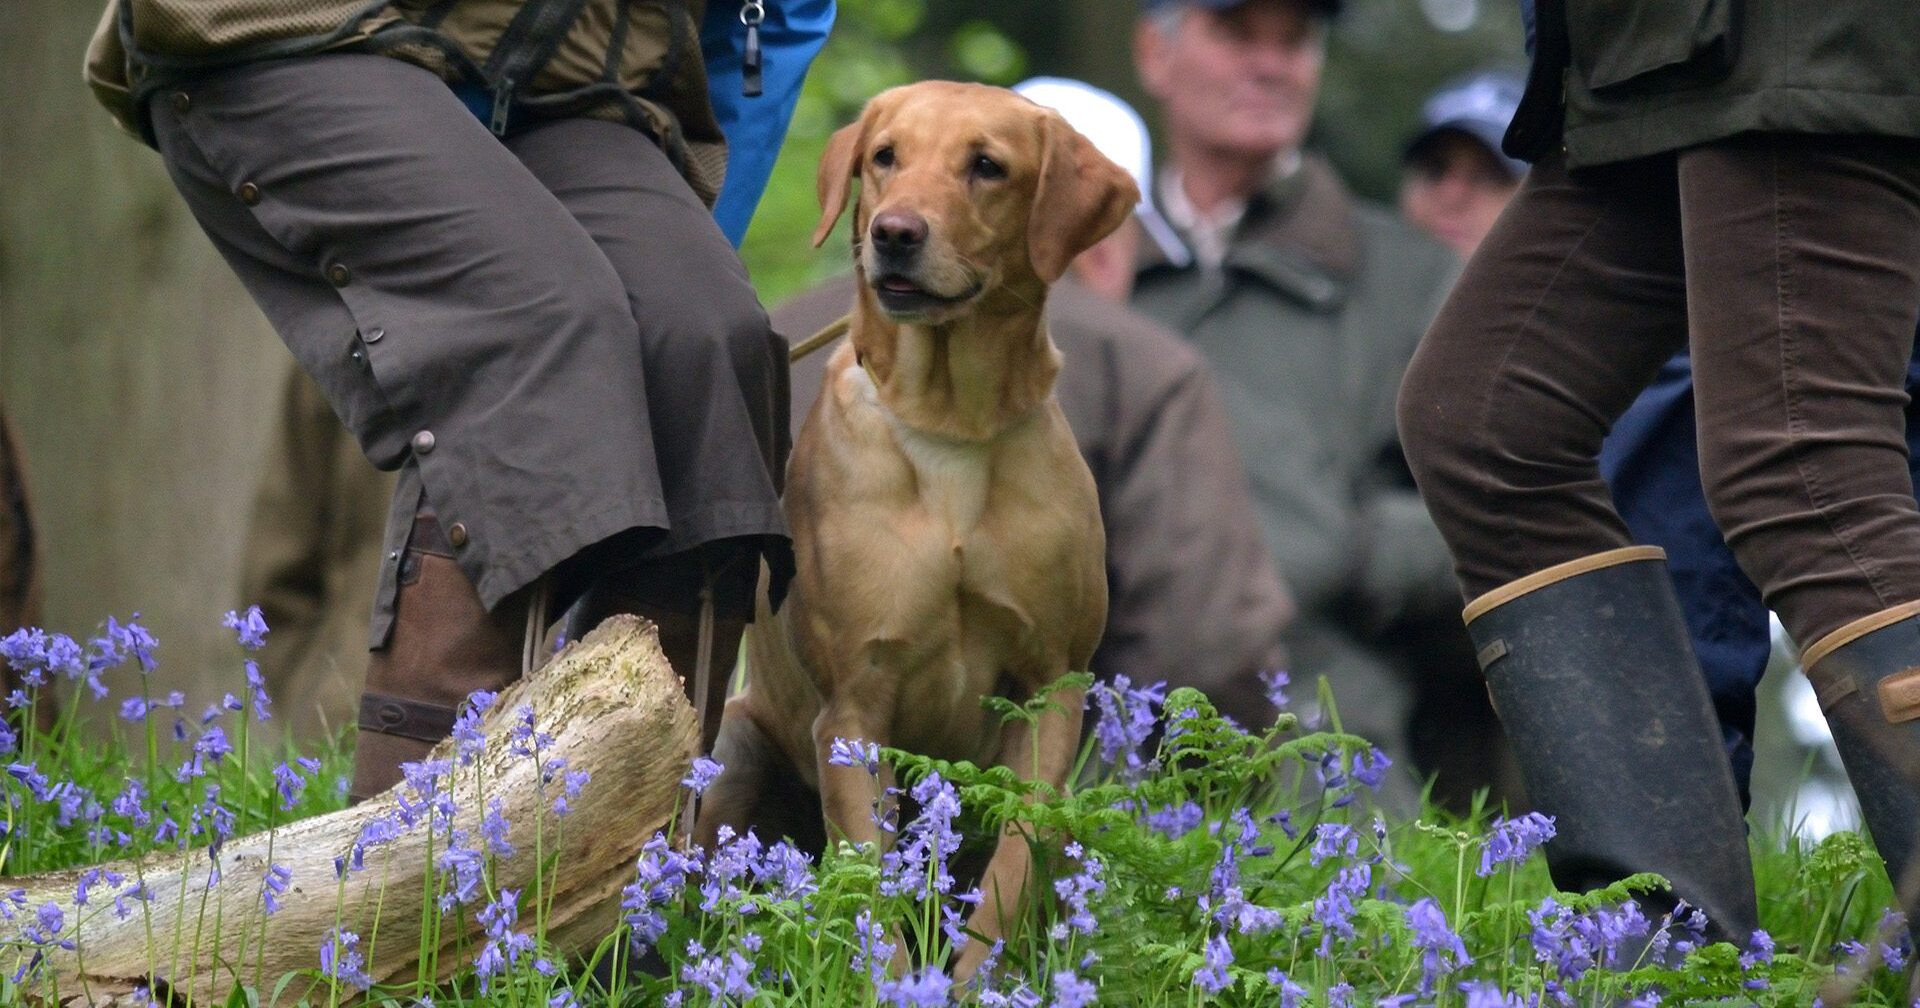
x=790 y=37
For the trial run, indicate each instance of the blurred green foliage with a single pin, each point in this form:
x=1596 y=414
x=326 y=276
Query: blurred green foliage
x=1383 y=57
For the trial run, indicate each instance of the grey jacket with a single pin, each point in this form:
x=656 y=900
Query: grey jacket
x=1308 y=325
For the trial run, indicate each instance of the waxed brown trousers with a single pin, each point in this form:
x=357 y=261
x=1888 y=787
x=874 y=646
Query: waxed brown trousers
x=1790 y=265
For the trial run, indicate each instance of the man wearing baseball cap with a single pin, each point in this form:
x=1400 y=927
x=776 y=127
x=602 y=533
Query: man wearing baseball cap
x=1308 y=302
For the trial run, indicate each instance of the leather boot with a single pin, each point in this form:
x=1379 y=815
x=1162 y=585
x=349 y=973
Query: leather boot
x=679 y=641
x=1589 y=665
x=1867 y=676
x=444 y=645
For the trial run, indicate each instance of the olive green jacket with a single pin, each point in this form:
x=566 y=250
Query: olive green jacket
x=1309 y=325
x=1622 y=79
x=632 y=60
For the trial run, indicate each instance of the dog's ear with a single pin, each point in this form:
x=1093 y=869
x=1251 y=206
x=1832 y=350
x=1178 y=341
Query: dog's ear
x=1081 y=198
x=838 y=167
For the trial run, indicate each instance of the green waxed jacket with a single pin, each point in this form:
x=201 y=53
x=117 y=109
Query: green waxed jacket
x=1620 y=79
x=1308 y=327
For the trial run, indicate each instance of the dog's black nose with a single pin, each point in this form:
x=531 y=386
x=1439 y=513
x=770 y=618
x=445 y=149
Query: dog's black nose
x=896 y=232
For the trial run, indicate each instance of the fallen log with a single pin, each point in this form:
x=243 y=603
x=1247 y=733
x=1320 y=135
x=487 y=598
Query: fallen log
x=613 y=708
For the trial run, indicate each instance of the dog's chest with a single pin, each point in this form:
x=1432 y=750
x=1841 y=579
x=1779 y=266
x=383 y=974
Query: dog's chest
x=951 y=478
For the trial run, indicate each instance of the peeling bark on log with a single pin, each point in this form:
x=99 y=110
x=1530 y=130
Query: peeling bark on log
x=614 y=709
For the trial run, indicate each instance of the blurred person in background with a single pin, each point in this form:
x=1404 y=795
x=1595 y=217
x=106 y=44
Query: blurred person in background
x=1455 y=180
x=19 y=568
x=1193 y=598
x=1307 y=302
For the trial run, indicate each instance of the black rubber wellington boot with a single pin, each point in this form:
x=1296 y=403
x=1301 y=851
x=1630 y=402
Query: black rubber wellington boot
x=1590 y=668
x=1867 y=676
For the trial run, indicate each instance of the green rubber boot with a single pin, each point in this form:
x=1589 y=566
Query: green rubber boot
x=1867 y=676
x=1590 y=667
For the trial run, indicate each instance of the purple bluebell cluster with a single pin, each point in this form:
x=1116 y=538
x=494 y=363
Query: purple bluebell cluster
x=1197 y=865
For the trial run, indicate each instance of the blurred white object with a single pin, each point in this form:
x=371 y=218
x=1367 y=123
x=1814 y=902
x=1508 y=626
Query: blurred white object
x=1811 y=797
x=1117 y=131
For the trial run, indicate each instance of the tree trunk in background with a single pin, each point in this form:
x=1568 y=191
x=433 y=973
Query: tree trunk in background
x=136 y=370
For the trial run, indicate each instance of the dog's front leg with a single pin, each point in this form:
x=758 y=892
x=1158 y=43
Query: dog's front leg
x=1042 y=750
x=850 y=797
x=854 y=801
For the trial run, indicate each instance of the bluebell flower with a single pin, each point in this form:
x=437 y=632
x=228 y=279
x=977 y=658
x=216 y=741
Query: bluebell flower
x=570 y=789
x=1275 y=683
x=250 y=629
x=1340 y=995
x=131 y=640
x=1607 y=932
x=30 y=775
x=728 y=868
x=82 y=889
x=1486 y=994
x=1071 y=991
x=64 y=657
x=872 y=950
x=25 y=650
x=701 y=775
x=788 y=871
x=493 y=829
x=1333 y=840
x=1076 y=890
x=1126 y=718
x=1512 y=841
x=1370 y=768
x=1291 y=993
x=504 y=946
x=463 y=865
x=1896 y=955
x=1333 y=910
x=855 y=753
x=1021 y=996
x=925 y=989
x=925 y=845
x=1176 y=821
x=257 y=690
x=660 y=875
x=136 y=891
x=273 y=885
x=133 y=709
x=1212 y=976
x=340 y=959
x=1442 y=952
x=523 y=739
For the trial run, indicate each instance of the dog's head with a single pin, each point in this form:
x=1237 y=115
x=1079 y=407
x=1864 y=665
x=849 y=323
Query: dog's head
x=964 y=190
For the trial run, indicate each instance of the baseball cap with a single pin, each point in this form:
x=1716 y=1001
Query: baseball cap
x=1117 y=131
x=1480 y=105
x=1326 y=7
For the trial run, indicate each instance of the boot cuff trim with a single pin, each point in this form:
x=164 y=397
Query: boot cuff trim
x=1854 y=631
x=1553 y=575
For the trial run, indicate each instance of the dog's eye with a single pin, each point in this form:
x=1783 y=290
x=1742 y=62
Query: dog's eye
x=883 y=158
x=984 y=167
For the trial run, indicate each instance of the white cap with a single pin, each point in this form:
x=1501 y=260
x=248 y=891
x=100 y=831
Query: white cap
x=1117 y=131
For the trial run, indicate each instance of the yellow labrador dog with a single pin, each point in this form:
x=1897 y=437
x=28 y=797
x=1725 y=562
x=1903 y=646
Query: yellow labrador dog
x=946 y=531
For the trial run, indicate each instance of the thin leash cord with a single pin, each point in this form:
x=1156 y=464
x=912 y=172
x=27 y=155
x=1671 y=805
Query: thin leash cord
x=702 y=683
x=834 y=330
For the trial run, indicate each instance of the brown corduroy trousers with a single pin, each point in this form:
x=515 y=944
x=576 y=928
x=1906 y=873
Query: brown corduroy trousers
x=1790 y=265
